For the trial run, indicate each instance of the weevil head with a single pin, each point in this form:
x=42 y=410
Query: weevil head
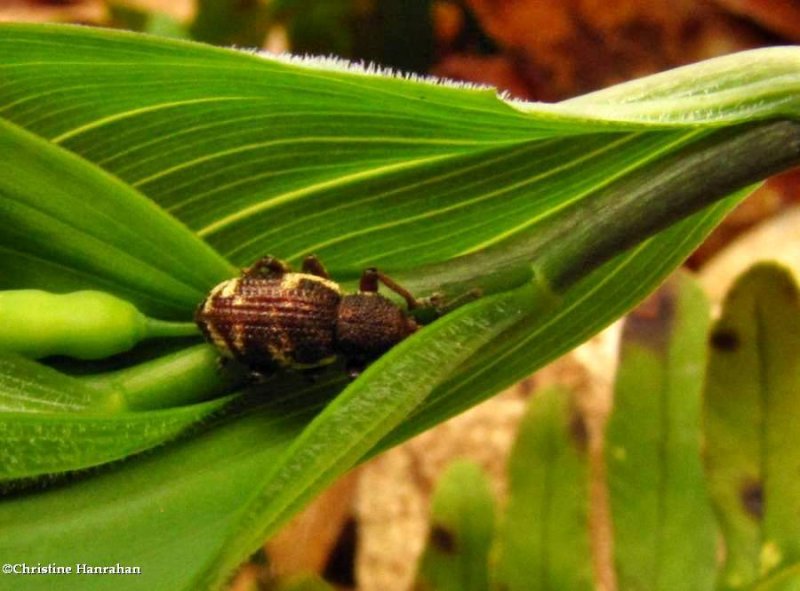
x=368 y=325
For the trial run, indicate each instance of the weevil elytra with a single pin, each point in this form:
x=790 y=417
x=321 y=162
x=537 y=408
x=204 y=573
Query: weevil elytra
x=271 y=317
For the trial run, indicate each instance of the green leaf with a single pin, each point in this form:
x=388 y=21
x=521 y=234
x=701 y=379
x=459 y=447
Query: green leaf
x=68 y=225
x=664 y=529
x=30 y=387
x=372 y=406
x=543 y=543
x=51 y=423
x=246 y=474
x=153 y=511
x=37 y=446
x=752 y=440
x=259 y=155
x=541 y=337
x=456 y=557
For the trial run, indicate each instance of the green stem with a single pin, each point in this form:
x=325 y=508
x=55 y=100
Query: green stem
x=162 y=328
x=577 y=241
x=186 y=377
x=663 y=194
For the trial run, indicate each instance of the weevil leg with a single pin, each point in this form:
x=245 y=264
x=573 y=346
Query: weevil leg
x=369 y=284
x=313 y=266
x=369 y=281
x=266 y=267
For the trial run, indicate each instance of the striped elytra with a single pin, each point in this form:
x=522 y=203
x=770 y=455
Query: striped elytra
x=273 y=318
x=286 y=321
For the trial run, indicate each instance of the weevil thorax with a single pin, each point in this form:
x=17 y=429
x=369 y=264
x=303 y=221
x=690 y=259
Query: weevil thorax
x=368 y=325
x=285 y=321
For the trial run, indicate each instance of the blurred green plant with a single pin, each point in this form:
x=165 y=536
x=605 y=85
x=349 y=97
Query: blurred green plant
x=664 y=531
x=462 y=521
x=125 y=15
x=752 y=440
x=680 y=383
x=394 y=33
x=150 y=169
x=238 y=23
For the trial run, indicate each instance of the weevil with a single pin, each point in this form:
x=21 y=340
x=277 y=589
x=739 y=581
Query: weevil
x=271 y=317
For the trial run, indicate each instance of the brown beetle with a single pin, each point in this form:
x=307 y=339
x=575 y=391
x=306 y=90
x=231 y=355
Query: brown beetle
x=271 y=317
